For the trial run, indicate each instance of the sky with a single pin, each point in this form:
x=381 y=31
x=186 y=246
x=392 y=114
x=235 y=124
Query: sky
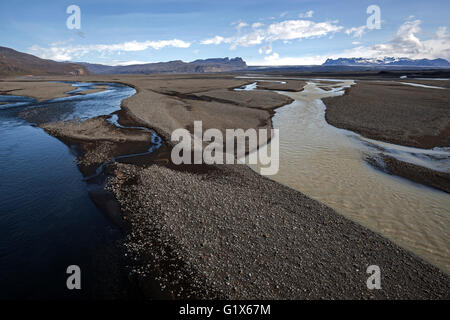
x=283 y=32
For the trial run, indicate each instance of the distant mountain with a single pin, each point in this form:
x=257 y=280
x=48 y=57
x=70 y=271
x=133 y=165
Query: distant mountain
x=387 y=62
x=13 y=62
x=177 y=66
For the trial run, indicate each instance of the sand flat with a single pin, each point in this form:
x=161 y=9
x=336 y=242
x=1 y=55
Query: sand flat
x=93 y=130
x=251 y=99
x=40 y=90
x=289 y=85
x=393 y=112
x=231 y=233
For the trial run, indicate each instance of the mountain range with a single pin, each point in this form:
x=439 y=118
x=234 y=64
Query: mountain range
x=387 y=62
x=177 y=66
x=13 y=62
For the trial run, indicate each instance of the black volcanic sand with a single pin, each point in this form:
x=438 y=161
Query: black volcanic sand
x=227 y=232
x=290 y=85
x=432 y=178
x=265 y=100
x=433 y=83
x=393 y=112
x=399 y=114
x=98 y=141
x=252 y=238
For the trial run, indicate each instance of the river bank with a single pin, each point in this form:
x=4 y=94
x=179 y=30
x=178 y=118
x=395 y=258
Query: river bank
x=47 y=219
x=401 y=114
x=435 y=179
x=253 y=238
x=43 y=90
x=250 y=237
x=394 y=112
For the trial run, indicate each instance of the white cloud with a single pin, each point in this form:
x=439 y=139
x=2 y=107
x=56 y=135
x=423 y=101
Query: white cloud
x=307 y=14
x=300 y=29
x=241 y=25
x=215 y=40
x=275 y=59
x=257 y=25
x=441 y=32
x=247 y=40
x=265 y=49
x=405 y=43
x=126 y=63
x=356 y=32
x=274 y=56
x=64 y=53
x=284 y=30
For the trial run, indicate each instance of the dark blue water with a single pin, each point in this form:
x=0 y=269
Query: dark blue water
x=47 y=220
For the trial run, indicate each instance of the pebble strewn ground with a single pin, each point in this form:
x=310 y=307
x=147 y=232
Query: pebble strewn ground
x=227 y=232
x=231 y=233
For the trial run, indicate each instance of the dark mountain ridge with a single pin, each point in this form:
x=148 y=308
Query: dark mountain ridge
x=176 y=66
x=13 y=62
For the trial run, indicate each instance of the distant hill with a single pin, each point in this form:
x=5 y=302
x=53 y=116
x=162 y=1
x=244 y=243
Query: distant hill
x=388 y=62
x=13 y=62
x=177 y=66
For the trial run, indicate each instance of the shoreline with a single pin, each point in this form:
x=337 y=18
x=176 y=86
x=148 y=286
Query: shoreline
x=196 y=236
x=51 y=90
x=124 y=185
x=418 y=174
x=365 y=108
x=48 y=89
x=419 y=123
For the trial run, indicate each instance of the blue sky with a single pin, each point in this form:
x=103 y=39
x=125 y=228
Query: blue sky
x=261 y=32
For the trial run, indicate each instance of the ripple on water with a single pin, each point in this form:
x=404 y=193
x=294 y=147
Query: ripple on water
x=328 y=164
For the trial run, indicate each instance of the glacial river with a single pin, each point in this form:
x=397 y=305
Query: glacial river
x=328 y=164
x=47 y=219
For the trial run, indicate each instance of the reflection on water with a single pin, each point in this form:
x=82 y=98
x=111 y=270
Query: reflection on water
x=47 y=220
x=327 y=164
